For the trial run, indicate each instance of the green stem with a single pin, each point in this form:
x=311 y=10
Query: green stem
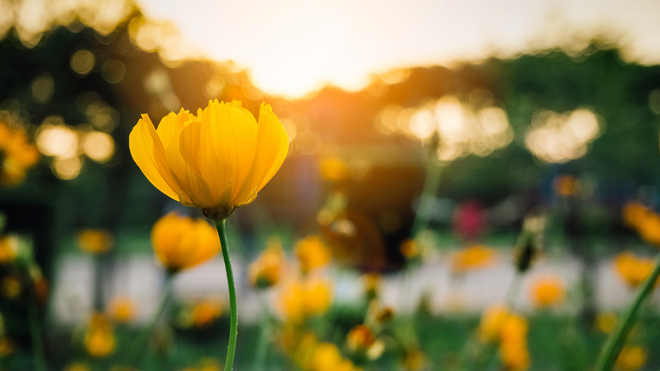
x=431 y=184
x=615 y=342
x=137 y=346
x=35 y=331
x=233 y=313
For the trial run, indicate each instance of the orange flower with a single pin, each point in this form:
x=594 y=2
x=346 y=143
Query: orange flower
x=16 y=155
x=312 y=253
x=409 y=248
x=95 y=241
x=216 y=161
x=205 y=312
x=473 y=257
x=547 y=291
x=181 y=242
x=492 y=322
x=644 y=220
x=605 y=322
x=122 y=309
x=566 y=185
x=303 y=299
x=632 y=269
x=99 y=338
x=631 y=358
x=361 y=341
x=267 y=270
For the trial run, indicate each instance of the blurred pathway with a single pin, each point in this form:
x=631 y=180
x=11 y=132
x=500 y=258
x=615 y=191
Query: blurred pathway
x=140 y=279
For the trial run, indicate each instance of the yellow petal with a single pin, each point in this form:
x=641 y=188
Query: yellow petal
x=149 y=155
x=228 y=145
x=172 y=124
x=191 y=184
x=272 y=148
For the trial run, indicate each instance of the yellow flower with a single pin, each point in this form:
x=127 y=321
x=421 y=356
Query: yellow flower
x=631 y=358
x=8 y=249
x=409 y=248
x=205 y=312
x=99 y=338
x=300 y=300
x=371 y=284
x=122 y=309
x=473 y=257
x=95 y=241
x=566 y=185
x=515 y=356
x=606 y=321
x=16 y=155
x=312 y=253
x=181 y=242
x=547 y=291
x=216 y=161
x=11 y=287
x=644 y=220
x=632 y=269
x=414 y=360
x=6 y=346
x=334 y=169
x=267 y=270
x=326 y=357
x=361 y=341
x=492 y=322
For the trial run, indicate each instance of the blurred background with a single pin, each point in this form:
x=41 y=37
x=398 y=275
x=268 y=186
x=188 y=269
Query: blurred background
x=422 y=136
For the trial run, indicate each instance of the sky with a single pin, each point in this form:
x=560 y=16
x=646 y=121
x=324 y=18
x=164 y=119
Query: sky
x=293 y=47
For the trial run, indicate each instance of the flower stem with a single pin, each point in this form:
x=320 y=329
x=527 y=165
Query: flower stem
x=233 y=313
x=137 y=346
x=35 y=331
x=615 y=342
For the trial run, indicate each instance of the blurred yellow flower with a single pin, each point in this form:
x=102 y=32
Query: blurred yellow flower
x=371 y=285
x=606 y=321
x=409 y=248
x=17 y=156
x=181 y=242
x=515 y=356
x=122 y=309
x=547 y=291
x=267 y=270
x=631 y=358
x=414 y=359
x=513 y=344
x=99 y=337
x=11 y=287
x=312 y=253
x=472 y=257
x=632 y=269
x=205 y=312
x=8 y=249
x=6 y=346
x=362 y=341
x=334 y=169
x=643 y=220
x=216 y=161
x=302 y=299
x=95 y=241
x=566 y=185
x=492 y=323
